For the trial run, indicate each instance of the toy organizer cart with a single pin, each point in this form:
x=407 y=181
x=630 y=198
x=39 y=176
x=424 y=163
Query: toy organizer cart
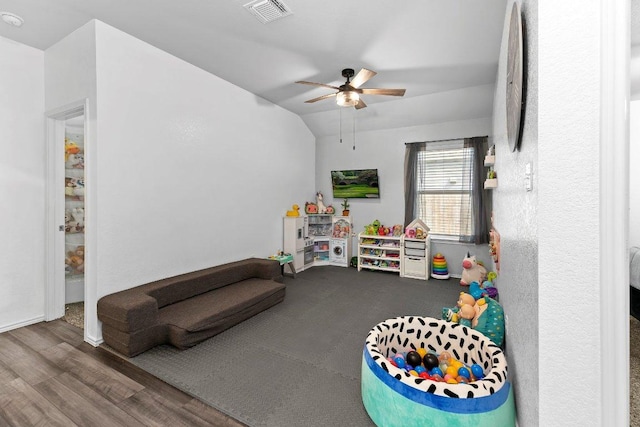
x=393 y=397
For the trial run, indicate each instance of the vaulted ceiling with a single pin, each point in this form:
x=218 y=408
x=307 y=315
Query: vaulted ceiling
x=444 y=53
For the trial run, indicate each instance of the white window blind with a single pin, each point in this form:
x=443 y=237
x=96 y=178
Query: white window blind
x=443 y=189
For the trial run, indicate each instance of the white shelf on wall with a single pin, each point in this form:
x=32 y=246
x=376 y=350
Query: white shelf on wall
x=490 y=184
x=489 y=160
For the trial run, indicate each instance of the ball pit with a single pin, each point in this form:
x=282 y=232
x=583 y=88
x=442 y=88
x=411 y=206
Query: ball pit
x=394 y=397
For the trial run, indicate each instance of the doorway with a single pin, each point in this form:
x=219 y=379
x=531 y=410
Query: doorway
x=66 y=217
x=74 y=242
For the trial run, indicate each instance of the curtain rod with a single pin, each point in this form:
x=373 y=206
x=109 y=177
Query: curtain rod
x=444 y=140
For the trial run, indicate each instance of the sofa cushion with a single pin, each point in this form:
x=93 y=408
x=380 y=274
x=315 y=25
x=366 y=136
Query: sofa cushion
x=179 y=288
x=184 y=339
x=200 y=313
x=634 y=267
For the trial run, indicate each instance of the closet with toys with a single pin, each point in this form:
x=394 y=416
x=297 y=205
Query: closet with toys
x=74 y=209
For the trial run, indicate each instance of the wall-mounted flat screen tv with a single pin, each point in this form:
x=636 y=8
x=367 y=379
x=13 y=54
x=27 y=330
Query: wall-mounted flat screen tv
x=355 y=184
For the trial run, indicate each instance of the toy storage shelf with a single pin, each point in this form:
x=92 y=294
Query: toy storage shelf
x=379 y=252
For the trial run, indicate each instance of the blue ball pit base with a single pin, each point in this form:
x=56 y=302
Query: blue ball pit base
x=393 y=398
x=388 y=408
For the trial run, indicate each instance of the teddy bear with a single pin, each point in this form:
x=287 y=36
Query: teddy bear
x=69 y=186
x=75 y=260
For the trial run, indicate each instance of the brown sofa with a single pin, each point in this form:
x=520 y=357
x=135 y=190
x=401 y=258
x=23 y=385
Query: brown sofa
x=187 y=309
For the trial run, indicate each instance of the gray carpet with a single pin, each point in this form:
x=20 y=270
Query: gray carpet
x=298 y=363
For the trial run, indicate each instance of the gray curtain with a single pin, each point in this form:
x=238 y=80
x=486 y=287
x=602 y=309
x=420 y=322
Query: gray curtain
x=410 y=158
x=480 y=198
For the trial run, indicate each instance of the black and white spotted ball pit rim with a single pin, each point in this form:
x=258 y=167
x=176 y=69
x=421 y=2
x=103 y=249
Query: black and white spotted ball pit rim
x=406 y=333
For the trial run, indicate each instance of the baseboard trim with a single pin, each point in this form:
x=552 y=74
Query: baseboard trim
x=17 y=325
x=93 y=341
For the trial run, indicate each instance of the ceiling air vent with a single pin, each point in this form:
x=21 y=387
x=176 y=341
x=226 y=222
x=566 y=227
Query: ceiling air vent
x=268 y=10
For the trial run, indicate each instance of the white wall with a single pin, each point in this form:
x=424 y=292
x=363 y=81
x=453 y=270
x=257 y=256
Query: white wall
x=385 y=150
x=550 y=270
x=516 y=219
x=22 y=184
x=192 y=171
x=569 y=210
x=634 y=174
x=184 y=170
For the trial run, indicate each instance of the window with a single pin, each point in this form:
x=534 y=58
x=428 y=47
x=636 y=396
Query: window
x=443 y=190
x=443 y=187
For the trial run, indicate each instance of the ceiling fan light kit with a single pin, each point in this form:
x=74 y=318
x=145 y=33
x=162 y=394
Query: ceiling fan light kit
x=348 y=94
x=347 y=98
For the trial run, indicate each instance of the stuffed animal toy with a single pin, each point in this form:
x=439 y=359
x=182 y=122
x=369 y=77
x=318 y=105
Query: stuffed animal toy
x=75 y=260
x=466 y=313
x=295 y=211
x=79 y=189
x=310 y=208
x=410 y=233
x=69 y=224
x=69 y=186
x=78 y=217
x=74 y=187
x=70 y=147
x=397 y=230
x=75 y=161
x=484 y=315
x=321 y=207
x=472 y=271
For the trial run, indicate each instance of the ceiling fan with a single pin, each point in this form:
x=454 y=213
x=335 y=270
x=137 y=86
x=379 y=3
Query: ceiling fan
x=348 y=94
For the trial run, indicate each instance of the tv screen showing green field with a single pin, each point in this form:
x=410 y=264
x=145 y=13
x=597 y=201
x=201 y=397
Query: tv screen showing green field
x=355 y=184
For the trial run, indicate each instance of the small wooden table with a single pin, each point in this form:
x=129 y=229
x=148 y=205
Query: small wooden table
x=285 y=259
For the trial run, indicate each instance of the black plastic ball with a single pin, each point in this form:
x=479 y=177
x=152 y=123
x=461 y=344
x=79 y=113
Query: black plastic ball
x=413 y=358
x=430 y=361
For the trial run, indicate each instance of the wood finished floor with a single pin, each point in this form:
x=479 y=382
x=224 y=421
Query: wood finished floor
x=50 y=377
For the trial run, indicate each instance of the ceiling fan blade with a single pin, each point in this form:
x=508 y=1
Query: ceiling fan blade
x=360 y=104
x=362 y=76
x=391 y=92
x=318 y=84
x=320 y=98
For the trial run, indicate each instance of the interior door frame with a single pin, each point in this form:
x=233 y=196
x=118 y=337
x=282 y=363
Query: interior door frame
x=614 y=210
x=54 y=205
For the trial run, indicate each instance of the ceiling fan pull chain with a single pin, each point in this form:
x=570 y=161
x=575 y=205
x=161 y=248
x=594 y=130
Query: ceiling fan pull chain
x=340 y=109
x=354 y=130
